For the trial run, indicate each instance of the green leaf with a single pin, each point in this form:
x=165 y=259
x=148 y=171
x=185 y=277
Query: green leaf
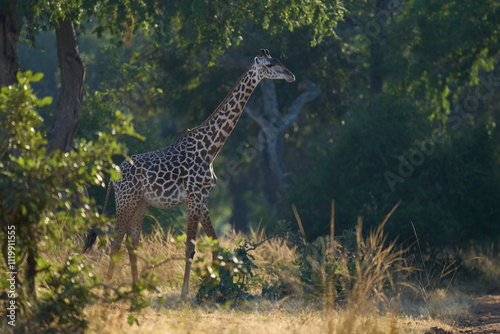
x=115 y=174
x=24 y=211
x=45 y=101
x=130 y=319
x=102 y=243
x=36 y=77
x=181 y=238
x=117 y=257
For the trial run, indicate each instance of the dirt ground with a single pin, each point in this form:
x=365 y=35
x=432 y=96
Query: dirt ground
x=487 y=313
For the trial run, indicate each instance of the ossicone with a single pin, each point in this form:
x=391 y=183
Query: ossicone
x=265 y=53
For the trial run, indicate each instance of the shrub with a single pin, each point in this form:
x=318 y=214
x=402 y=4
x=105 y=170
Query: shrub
x=37 y=193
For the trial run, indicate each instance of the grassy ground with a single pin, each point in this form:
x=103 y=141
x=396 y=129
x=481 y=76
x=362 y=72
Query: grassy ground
x=412 y=307
x=387 y=293
x=291 y=316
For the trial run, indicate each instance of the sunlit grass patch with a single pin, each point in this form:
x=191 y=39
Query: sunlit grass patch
x=359 y=283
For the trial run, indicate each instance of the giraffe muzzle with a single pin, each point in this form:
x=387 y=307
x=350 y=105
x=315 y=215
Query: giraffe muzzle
x=291 y=78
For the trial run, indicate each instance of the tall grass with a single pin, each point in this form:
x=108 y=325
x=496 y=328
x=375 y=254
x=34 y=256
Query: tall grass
x=368 y=275
x=360 y=287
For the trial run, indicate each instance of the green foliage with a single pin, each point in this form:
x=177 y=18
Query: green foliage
x=35 y=185
x=203 y=25
x=320 y=264
x=230 y=277
x=67 y=289
x=38 y=194
x=228 y=283
x=428 y=138
x=219 y=24
x=63 y=296
x=446 y=180
x=464 y=37
x=276 y=289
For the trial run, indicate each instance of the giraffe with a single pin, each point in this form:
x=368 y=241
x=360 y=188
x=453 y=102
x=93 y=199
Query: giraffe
x=182 y=173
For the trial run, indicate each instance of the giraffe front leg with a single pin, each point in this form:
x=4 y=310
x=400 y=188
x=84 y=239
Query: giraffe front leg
x=190 y=246
x=133 y=261
x=206 y=223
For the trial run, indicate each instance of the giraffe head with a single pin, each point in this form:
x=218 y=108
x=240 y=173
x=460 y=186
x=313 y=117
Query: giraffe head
x=271 y=68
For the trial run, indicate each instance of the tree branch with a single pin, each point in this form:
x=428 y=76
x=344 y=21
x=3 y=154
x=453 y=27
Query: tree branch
x=299 y=103
x=270 y=99
x=256 y=117
x=158 y=264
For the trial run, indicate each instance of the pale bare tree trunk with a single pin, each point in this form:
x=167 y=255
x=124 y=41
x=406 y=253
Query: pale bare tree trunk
x=64 y=125
x=10 y=29
x=273 y=170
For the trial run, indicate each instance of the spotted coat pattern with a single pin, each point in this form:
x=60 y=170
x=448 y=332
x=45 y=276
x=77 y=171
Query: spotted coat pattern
x=182 y=173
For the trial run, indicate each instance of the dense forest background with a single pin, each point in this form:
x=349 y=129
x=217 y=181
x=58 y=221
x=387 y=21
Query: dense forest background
x=397 y=101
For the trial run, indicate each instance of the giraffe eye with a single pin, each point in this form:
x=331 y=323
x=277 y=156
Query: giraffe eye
x=269 y=65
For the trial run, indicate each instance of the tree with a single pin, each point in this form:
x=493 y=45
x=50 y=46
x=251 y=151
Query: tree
x=418 y=129
x=274 y=174
x=10 y=28
x=211 y=24
x=12 y=15
x=64 y=125
x=34 y=187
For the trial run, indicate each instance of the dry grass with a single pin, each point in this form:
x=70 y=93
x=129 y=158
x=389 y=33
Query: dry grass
x=381 y=300
x=287 y=317
x=368 y=310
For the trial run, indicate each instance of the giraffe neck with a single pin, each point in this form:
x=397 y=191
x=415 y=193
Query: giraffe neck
x=214 y=132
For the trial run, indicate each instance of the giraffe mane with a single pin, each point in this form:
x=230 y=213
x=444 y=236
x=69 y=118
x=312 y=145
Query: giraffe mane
x=220 y=105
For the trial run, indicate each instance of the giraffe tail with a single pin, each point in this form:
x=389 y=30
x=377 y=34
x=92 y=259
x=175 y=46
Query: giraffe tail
x=89 y=241
x=92 y=235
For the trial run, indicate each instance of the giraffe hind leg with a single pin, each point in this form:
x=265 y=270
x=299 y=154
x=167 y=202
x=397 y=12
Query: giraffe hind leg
x=135 y=232
x=124 y=213
x=206 y=223
x=115 y=248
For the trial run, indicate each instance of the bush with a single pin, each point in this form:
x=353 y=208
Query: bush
x=447 y=181
x=37 y=196
x=230 y=282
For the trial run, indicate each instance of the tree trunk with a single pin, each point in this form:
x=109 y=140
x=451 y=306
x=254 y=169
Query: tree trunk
x=274 y=173
x=240 y=207
x=10 y=29
x=377 y=48
x=64 y=126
